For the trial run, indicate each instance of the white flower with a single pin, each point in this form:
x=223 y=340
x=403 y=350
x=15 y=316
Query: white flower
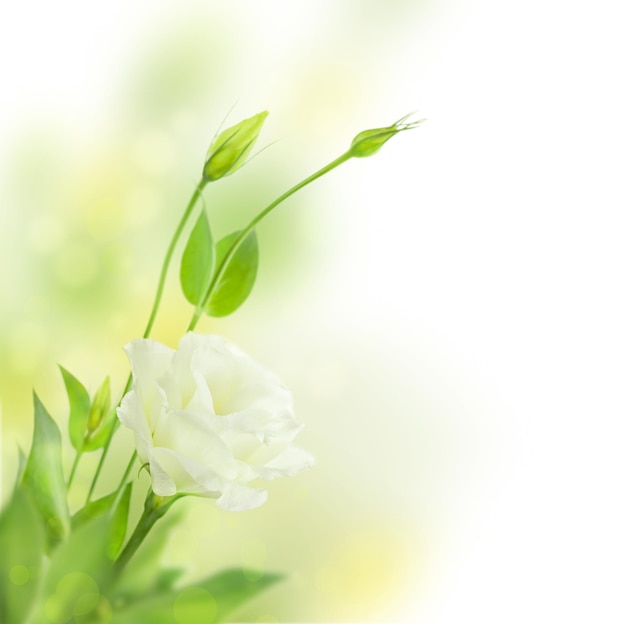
x=209 y=420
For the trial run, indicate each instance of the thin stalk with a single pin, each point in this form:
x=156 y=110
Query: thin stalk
x=196 y=195
x=106 y=447
x=154 y=508
x=73 y=470
x=242 y=235
x=168 y=255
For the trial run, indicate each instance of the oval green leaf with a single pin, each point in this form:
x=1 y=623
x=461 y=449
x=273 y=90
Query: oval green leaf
x=80 y=406
x=43 y=475
x=210 y=600
x=238 y=276
x=197 y=261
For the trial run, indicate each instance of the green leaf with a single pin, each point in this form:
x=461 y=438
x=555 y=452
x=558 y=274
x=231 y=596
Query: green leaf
x=119 y=521
x=166 y=578
x=196 y=264
x=43 y=475
x=208 y=601
x=22 y=543
x=80 y=406
x=21 y=466
x=79 y=571
x=231 y=588
x=98 y=438
x=237 y=279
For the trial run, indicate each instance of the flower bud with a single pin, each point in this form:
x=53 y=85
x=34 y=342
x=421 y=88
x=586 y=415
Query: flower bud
x=368 y=142
x=230 y=148
x=100 y=406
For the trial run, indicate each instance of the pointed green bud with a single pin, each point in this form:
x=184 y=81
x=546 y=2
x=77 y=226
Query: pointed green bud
x=100 y=405
x=229 y=150
x=368 y=142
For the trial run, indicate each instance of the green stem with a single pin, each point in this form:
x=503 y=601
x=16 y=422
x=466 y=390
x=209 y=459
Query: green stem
x=154 y=508
x=106 y=447
x=73 y=470
x=242 y=235
x=168 y=255
x=196 y=195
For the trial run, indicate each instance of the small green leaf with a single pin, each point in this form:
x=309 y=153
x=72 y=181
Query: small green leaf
x=98 y=438
x=119 y=521
x=208 y=601
x=237 y=279
x=43 y=475
x=22 y=542
x=80 y=406
x=197 y=261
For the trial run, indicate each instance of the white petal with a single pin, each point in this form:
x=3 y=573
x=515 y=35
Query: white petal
x=190 y=436
x=162 y=483
x=236 y=497
x=149 y=359
x=189 y=476
x=131 y=414
x=292 y=460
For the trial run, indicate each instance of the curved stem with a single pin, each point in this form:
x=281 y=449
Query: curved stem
x=168 y=255
x=242 y=235
x=196 y=195
x=154 y=508
x=105 y=449
x=73 y=470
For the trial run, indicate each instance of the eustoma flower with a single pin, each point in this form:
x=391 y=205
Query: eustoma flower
x=208 y=420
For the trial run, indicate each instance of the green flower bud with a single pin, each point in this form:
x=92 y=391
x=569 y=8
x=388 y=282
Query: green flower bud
x=229 y=150
x=368 y=142
x=100 y=406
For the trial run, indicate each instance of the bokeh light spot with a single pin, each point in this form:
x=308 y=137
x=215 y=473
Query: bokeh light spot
x=194 y=605
x=76 y=595
x=19 y=575
x=364 y=572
